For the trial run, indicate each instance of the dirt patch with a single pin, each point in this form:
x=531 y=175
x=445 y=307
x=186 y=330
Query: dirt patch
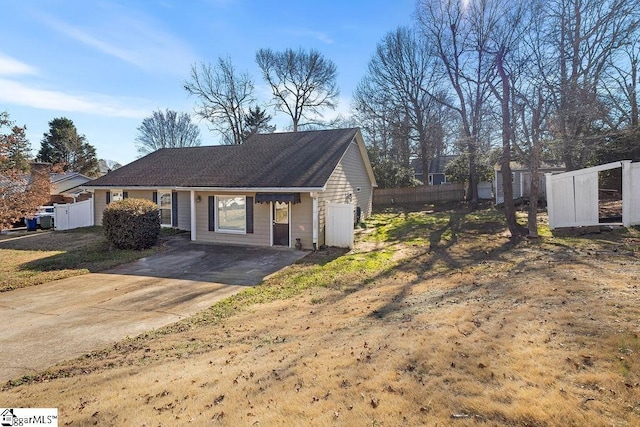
x=471 y=328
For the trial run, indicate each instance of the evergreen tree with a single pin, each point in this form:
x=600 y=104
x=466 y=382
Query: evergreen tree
x=257 y=121
x=15 y=150
x=62 y=145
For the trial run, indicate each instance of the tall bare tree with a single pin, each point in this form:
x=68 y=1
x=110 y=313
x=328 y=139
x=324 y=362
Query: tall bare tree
x=584 y=35
x=166 y=129
x=400 y=78
x=622 y=89
x=460 y=45
x=302 y=83
x=224 y=97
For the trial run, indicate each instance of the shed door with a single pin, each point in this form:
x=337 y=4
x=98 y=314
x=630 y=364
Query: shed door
x=281 y=224
x=339 y=225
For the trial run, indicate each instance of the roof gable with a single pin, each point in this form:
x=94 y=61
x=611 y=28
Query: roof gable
x=277 y=160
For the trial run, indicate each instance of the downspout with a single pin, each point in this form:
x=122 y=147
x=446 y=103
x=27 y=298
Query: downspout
x=315 y=219
x=192 y=194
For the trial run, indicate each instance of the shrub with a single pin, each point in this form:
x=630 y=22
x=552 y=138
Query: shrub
x=131 y=224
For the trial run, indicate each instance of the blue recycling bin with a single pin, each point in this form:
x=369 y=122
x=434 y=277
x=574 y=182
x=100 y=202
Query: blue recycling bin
x=32 y=224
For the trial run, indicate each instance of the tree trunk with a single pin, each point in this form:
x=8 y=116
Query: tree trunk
x=505 y=167
x=534 y=191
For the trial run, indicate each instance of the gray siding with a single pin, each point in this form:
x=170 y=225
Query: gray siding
x=184 y=205
x=350 y=174
x=261 y=224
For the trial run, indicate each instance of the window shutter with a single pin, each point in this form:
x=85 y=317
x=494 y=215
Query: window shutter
x=108 y=196
x=174 y=209
x=212 y=213
x=125 y=194
x=249 y=212
x=155 y=197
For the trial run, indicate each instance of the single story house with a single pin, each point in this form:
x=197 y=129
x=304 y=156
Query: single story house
x=522 y=180
x=437 y=167
x=269 y=191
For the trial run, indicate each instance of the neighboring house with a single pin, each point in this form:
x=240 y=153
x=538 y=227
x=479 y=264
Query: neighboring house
x=522 y=180
x=437 y=166
x=270 y=190
x=65 y=187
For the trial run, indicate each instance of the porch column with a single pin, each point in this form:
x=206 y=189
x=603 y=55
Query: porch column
x=193 y=215
x=314 y=198
x=626 y=193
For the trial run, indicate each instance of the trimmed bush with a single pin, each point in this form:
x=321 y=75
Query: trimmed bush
x=131 y=224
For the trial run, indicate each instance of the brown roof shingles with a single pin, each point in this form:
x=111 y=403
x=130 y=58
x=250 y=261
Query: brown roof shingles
x=276 y=160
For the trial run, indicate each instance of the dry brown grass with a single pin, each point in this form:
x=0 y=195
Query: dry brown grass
x=467 y=329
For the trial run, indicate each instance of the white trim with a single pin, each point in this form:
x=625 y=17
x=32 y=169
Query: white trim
x=270 y=223
x=161 y=191
x=192 y=207
x=114 y=192
x=316 y=218
x=289 y=207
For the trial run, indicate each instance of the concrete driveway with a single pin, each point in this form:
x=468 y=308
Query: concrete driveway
x=49 y=323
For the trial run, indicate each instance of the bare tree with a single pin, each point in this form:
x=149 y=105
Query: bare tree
x=401 y=78
x=584 y=35
x=460 y=45
x=168 y=129
x=622 y=89
x=302 y=83
x=224 y=96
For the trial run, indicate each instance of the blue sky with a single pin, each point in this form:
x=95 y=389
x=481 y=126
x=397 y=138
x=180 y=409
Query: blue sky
x=108 y=64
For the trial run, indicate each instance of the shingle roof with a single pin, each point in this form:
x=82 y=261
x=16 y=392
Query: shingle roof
x=276 y=160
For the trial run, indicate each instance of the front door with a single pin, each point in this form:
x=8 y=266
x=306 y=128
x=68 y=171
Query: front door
x=281 y=224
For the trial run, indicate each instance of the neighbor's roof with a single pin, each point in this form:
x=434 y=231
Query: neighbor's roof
x=275 y=160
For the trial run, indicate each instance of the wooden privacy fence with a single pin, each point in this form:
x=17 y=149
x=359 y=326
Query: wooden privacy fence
x=422 y=194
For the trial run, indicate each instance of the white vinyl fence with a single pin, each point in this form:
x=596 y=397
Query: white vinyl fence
x=73 y=215
x=339 y=225
x=572 y=197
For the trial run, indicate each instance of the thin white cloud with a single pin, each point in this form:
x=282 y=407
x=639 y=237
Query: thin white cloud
x=306 y=32
x=17 y=93
x=129 y=38
x=11 y=66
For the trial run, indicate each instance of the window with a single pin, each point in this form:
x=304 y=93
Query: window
x=231 y=214
x=116 y=195
x=164 y=204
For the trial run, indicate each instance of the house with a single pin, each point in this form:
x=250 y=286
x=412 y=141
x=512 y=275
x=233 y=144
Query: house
x=437 y=167
x=65 y=187
x=522 y=180
x=269 y=191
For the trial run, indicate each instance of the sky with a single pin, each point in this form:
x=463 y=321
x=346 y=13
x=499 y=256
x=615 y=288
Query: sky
x=108 y=64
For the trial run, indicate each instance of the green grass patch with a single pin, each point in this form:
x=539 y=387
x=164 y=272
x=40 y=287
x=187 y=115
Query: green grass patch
x=36 y=258
x=346 y=273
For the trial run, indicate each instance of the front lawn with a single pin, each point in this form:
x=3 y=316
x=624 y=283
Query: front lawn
x=435 y=318
x=32 y=258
